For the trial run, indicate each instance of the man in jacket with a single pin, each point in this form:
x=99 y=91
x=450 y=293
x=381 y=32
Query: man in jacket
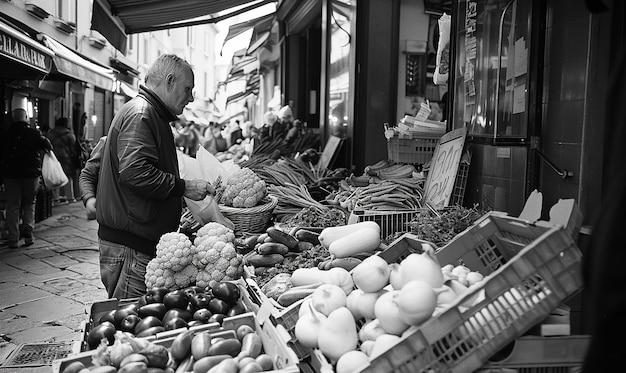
x=21 y=167
x=139 y=188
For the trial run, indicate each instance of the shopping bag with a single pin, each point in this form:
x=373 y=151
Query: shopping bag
x=52 y=171
x=209 y=169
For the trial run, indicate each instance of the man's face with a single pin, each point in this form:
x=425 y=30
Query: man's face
x=179 y=91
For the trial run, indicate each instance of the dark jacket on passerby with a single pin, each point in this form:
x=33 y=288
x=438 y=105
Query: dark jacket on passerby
x=64 y=145
x=139 y=190
x=21 y=151
x=88 y=179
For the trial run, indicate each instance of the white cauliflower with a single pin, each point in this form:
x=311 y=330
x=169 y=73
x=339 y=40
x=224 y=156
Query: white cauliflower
x=222 y=264
x=185 y=277
x=244 y=188
x=159 y=275
x=174 y=249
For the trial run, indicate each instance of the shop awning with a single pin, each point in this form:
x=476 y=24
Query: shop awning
x=71 y=64
x=115 y=19
x=260 y=27
x=23 y=52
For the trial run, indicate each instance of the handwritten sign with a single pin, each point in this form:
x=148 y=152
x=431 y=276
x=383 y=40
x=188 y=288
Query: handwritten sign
x=443 y=168
x=330 y=152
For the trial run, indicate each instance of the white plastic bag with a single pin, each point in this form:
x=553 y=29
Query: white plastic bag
x=52 y=171
x=442 y=67
x=204 y=167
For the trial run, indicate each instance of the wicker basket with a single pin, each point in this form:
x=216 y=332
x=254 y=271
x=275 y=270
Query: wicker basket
x=253 y=219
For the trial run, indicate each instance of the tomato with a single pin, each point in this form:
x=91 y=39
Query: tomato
x=155 y=295
x=202 y=315
x=176 y=299
x=175 y=312
x=129 y=323
x=109 y=316
x=199 y=300
x=218 y=306
x=237 y=309
x=147 y=322
x=99 y=332
x=226 y=291
x=121 y=314
x=174 y=323
x=153 y=309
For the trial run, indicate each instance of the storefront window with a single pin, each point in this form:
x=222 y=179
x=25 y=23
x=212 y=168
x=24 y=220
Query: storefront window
x=492 y=70
x=341 y=41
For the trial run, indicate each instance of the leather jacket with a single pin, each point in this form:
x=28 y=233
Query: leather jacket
x=139 y=188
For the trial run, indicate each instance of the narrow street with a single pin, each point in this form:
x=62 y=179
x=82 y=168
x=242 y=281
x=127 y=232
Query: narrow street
x=45 y=290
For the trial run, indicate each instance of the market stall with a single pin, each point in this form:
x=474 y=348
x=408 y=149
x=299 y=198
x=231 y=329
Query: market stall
x=327 y=270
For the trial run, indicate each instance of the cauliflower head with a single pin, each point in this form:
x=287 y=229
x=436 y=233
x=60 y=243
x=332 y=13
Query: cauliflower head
x=213 y=229
x=185 y=277
x=174 y=250
x=244 y=188
x=222 y=264
x=158 y=274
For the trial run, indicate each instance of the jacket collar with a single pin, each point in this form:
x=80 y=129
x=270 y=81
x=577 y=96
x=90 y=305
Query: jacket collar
x=150 y=96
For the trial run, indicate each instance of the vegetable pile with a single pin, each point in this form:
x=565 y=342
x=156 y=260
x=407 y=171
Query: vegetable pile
x=440 y=227
x=179 y=263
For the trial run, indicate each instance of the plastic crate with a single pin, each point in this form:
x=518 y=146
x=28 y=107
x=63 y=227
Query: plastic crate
x=390 y=222
x=417 y=149
x=531 y=354
x=285 y=359
x=532 y=268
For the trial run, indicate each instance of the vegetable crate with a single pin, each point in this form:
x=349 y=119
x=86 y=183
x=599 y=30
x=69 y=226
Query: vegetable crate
x=284 y=358
x=531 y=269
x=390 y=222
x=98 y=309
x=532 y=354
x=417 y=149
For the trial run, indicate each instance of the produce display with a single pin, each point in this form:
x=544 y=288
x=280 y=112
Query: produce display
x=238 y=351
x=355 y=316
x=162 y=309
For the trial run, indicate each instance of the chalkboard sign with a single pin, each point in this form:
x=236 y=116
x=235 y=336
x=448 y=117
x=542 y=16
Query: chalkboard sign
x=330 y=152
x=443 y=168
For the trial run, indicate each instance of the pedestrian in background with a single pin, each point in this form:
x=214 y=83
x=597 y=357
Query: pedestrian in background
x=139 y=177
x=21 y=168
x=64 y=147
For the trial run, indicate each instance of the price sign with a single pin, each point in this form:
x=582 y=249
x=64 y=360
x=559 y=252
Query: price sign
x=443 y=168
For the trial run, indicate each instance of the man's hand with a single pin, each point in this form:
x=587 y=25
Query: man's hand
x=198 y=189
x=90 y=205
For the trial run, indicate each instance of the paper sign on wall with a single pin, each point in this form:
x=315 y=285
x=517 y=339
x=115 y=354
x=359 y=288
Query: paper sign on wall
x=443 y=168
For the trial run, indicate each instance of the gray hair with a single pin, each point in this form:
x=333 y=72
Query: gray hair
x=19 y=115
x=166 y=64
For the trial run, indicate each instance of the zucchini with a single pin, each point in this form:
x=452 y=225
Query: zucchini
x=307 y=236
x=258 y=260
x=282 y=237
x=272 y=248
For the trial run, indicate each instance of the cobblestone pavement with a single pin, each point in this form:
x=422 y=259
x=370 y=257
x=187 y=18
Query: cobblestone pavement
x=45 y=289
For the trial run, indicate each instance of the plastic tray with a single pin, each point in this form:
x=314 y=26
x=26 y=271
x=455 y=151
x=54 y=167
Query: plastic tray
x=531 y=354
x=417 y=149
x=284 y=358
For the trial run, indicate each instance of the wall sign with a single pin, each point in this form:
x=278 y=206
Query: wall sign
x=443 y=168
x=17 y=50
x=330 y=152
